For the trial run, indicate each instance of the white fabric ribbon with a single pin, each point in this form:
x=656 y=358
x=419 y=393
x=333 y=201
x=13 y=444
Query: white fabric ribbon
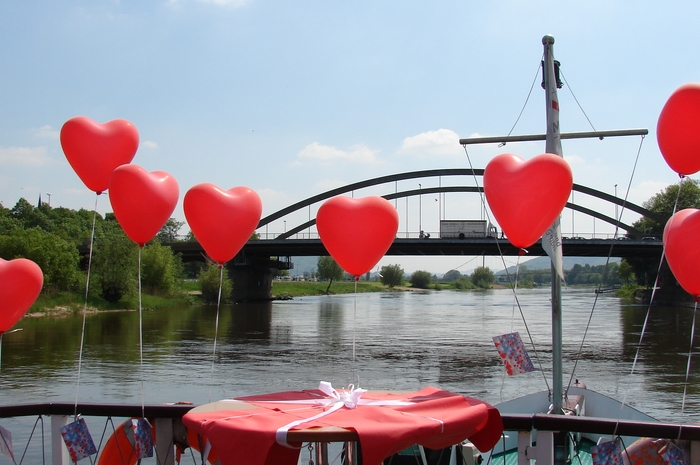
x=336 y=400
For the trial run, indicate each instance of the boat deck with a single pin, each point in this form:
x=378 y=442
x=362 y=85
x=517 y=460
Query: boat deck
x=582 y=455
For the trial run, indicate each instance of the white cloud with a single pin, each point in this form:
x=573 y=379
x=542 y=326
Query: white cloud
x=24 y=156
x=440 y=142
x=574 y=160
x=47 y=132
x=328 y=184
x=644 y=191
x=358 y=153
x=149 y=144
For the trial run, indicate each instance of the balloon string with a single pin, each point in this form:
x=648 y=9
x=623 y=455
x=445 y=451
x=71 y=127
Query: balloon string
x=216 y=329
x=690 y=353
x=354 y=322
x=143 y=391
x=87 y=291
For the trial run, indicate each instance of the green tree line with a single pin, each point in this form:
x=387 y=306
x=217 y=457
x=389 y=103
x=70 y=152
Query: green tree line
x=53 y=237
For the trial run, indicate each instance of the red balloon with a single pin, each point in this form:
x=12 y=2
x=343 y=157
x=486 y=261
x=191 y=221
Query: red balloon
x=678 y=130
x=682 y=250
x=526 y=197
x=222 y=221
x=357 y=232
x=142 y=201
x=94 y=150
x=20 y=285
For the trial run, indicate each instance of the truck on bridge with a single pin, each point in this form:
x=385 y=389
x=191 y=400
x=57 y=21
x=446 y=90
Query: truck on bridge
x=460 y=229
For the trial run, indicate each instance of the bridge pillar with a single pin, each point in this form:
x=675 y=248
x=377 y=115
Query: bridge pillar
x=252 y=277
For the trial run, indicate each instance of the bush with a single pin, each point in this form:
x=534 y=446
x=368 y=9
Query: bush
x=391 y=275
x=209 y=280
x=463 y=283
x=114 y=263
x=483 y=277
x=161 y=270
x=421 y=279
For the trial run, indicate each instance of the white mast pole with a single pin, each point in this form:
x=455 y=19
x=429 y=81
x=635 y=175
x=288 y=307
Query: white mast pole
x=553 y=235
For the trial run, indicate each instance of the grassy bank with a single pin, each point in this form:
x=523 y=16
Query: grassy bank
x=71 y=302
x=290 y=289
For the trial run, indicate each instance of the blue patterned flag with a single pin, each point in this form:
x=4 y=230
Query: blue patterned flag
x=78 y=440
x=607 y=453
x=143 y=438
x=674 y=455
x=512 y=350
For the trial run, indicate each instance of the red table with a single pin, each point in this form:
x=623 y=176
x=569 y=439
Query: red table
x=269 y=429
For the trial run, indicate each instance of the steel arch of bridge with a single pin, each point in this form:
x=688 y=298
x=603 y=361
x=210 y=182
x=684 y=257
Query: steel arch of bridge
x=433 y=190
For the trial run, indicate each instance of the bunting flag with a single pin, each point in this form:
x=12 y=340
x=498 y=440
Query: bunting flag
x=675 y=455
x=143 y=438
x=607 y=453
x=78 y=440
x=512 y=350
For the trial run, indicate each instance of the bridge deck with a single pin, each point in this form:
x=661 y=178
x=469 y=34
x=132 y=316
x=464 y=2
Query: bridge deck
x=192 y=251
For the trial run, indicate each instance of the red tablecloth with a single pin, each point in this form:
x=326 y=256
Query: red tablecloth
x=385 y=423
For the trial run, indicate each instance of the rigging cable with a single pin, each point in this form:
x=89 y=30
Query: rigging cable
x=527 y=99
x=505 y=267
x=651 y=300
x=87 y=289
x=607 y=262
x=576 y=100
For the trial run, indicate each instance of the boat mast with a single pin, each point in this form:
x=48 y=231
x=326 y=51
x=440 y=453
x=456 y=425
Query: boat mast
x=553 y=145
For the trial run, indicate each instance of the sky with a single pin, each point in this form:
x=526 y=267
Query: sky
x=292 y=99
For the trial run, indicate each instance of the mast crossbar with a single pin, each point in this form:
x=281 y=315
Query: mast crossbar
x=564 y=135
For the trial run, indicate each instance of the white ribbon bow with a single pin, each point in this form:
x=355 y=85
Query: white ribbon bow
x=337 y=400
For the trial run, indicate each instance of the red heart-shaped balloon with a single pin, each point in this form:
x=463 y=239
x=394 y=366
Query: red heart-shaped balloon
x=222 y=221
x=142 y=201
x=20 y=285
x=94 y=150
x=678 y=130
x=526 y=197
x=681 y=248
x=357 y=232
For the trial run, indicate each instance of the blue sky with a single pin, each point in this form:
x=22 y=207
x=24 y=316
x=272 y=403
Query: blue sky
x=294 y=98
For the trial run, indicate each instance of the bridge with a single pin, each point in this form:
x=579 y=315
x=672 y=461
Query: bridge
x=252 y=268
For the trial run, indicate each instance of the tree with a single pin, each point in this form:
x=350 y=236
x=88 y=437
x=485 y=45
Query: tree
x=452 y=275
x=663 y=203
x=625 y=271
x=420 y=279
x=645 y=269
x=169 y=231
x=57 y=258
x=161 y=270
x=114 y=262
x=329 y=270
x=391 y=275
x=209 y=280
x=482 y=277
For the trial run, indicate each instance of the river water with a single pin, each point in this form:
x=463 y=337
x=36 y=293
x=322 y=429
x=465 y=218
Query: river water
x=402 y=341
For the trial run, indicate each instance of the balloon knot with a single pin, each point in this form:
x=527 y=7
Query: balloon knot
x=98 y=192
x=357 y=278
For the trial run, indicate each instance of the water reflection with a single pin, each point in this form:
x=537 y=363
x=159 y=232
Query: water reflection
x=402 y=340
